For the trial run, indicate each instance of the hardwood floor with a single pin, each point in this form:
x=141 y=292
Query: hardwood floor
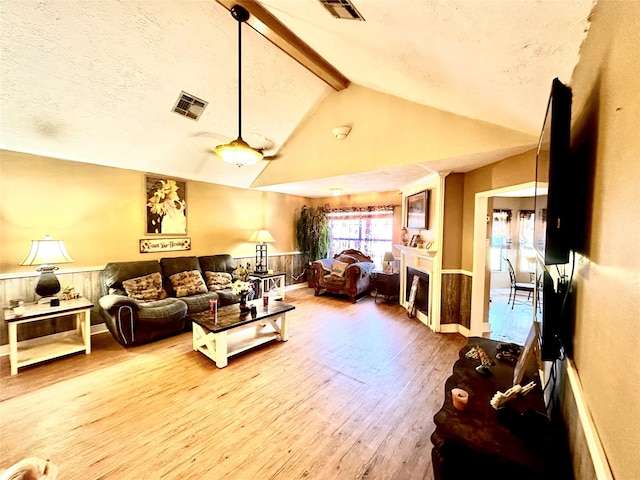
x=351 y=395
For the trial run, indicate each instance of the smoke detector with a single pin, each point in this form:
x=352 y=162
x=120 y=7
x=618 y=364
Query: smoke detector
x=341 y=132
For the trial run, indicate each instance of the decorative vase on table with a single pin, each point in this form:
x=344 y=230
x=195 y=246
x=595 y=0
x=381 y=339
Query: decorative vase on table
x=243 y=303
x=242 y=289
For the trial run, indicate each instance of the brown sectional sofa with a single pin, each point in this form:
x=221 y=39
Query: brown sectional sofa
x=140 y=304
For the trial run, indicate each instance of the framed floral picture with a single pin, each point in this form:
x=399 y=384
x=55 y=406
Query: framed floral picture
x=166 y=205
x=417 y=210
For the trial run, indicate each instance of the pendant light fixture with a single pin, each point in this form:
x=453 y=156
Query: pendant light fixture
x=238 y=152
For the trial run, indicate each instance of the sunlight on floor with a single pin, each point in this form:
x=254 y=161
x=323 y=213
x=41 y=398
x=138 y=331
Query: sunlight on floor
x=507 y=324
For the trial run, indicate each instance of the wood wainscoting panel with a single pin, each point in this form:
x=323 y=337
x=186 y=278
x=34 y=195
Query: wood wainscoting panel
x=87 y=284
x=456 y=299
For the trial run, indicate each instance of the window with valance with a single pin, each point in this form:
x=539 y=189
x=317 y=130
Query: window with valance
x=500 y=238
x=526 y=253
x=368 y=229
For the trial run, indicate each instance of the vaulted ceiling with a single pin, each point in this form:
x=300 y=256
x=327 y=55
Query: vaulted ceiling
x=432 y=85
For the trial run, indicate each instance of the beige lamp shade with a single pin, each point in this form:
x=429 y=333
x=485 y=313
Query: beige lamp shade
x=388 y=258
x=262 y=236
x=47 y=251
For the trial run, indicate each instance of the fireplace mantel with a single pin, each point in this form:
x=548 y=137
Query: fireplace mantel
x=421 y=252
x=427 y=261
x=419 y=258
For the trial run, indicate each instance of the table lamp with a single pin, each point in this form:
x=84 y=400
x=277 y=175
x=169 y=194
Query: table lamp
x=45 y=253
x=388 y=257
x=262 y=237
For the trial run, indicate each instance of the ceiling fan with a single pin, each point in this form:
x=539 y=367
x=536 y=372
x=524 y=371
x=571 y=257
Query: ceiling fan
x=262 y=144
x=238 y=151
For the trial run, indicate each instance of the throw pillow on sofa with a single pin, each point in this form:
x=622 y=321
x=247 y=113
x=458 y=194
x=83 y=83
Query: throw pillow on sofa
x=218 y=280
x=188 y=283
x=338 y=268
x=343 y=258
x=146 y=288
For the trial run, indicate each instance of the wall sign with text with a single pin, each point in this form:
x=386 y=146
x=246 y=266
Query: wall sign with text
x=151 y=245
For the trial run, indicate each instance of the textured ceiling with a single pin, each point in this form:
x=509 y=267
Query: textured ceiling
x=95 y=81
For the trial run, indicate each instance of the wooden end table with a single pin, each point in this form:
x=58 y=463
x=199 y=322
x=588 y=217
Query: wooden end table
x=218 y=338
x=482 y=442
x=54 y=345
x=271 y=280
x=387 y=285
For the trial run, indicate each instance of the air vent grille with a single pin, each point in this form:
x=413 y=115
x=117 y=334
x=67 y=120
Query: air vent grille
x=342 y=9
x=189 y=106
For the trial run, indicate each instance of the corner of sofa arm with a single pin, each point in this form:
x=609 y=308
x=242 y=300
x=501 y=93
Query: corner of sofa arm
x=108 y=302
x=360 y=268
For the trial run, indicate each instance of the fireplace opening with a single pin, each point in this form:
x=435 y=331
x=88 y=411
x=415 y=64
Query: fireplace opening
x=421 y=302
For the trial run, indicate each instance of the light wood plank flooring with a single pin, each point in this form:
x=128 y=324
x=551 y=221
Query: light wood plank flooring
x=351 y=395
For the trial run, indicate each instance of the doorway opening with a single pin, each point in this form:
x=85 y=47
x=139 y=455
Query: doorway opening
x=492 y=314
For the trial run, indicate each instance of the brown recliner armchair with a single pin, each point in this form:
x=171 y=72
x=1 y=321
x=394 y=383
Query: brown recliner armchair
x=347 y=273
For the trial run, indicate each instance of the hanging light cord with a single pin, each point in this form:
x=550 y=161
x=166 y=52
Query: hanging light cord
x=239 y=152
x=239 y=79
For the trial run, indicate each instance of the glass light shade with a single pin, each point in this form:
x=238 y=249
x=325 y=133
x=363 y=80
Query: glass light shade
x=262 y=236
x=238 y=152
x=47 y=251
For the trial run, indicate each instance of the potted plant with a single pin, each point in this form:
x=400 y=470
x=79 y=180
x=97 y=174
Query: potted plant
x=313 y=235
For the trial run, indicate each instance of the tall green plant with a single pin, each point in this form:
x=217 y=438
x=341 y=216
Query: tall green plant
x=312 y=232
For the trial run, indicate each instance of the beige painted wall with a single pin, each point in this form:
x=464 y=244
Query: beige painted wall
x=100 y=213
x=516 y=170
x=606 y=110
x=453 y=215
x=386 y=131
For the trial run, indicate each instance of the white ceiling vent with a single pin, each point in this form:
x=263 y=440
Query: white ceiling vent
x=189 y=106
x=343 y=9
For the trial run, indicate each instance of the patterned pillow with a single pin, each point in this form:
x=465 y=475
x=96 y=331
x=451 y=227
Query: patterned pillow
x=338 y=268
x=145 y=288
x=188 y=283
x=218 y=280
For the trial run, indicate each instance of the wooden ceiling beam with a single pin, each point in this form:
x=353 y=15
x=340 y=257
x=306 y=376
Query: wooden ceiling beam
x=263 y=22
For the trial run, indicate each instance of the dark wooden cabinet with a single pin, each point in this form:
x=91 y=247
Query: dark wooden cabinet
x=481 y=442
x=386 y=285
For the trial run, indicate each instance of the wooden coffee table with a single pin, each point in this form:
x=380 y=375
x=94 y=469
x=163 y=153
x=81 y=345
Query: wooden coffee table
x=233 y=332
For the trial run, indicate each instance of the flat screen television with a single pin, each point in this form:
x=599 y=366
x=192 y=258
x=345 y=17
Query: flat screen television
x=553 y=168
x=553 y=222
